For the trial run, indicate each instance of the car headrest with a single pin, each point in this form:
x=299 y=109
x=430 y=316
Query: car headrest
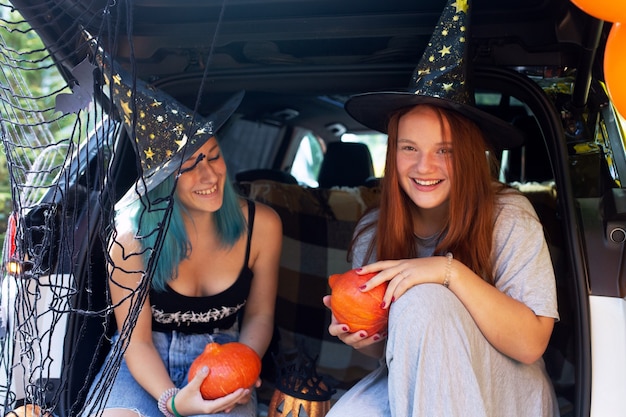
x=345 y=164
x=265 y=174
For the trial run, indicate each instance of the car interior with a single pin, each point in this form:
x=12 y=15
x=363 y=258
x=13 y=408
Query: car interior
x=318 y=223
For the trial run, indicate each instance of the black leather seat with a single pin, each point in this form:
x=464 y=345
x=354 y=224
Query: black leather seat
x=530 y=162
x=265 y=174
x=345 y=164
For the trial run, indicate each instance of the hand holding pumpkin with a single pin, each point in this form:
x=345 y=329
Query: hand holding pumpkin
x=359 y=310
x=231 y=366
x=219 y=379
x=189 y=400
x=359 y=340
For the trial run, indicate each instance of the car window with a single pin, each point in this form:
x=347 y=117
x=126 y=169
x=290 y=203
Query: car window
x=308 y=159
x=249 y=144
x=241 y=153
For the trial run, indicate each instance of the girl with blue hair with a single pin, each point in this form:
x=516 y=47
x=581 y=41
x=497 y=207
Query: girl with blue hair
x=191 y=262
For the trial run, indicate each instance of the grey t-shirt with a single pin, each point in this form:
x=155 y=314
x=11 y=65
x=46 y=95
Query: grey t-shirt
x=521 y=260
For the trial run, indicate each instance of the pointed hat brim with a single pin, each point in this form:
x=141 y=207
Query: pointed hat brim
x=150 y=179
x=163 y=131
x=373 y=110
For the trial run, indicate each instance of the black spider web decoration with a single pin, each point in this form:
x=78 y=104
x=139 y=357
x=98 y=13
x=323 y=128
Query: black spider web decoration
x=59 y=137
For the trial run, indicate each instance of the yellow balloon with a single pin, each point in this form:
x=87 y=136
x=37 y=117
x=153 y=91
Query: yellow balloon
x=615 y=67
x=609 y=10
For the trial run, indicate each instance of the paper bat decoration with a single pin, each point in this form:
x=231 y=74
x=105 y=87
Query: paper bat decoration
x=82 y=90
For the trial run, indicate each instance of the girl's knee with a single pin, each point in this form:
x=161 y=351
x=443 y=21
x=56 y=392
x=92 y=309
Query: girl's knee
x=422 y=302
x=428 y=310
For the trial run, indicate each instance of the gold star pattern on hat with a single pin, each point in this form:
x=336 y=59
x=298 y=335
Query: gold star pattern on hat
x=461 y=6
x=445 y=50
x=442 y=70
x=157 y=122
x=164 y=131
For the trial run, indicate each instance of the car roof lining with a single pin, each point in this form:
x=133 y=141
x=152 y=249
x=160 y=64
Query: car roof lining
x=338 y=48
x=301 y=33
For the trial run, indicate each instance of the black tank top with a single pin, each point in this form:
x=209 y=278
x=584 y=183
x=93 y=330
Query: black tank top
x=172 y=311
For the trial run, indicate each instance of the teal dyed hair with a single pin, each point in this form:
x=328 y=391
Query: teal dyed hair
x=147 y=214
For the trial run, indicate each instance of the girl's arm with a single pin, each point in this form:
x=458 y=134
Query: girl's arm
x=142 y=359
x=508 y=324
x=258 y=321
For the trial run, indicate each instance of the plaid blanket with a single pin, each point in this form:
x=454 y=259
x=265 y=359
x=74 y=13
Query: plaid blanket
x=317 y=229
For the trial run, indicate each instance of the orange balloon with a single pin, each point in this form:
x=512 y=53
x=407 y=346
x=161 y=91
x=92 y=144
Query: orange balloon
x=615 y=67
x=609 y=10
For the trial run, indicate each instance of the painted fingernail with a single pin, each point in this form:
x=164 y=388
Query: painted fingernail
x=383 y=304
x=362 y=287
x=363 y=335
x=344 y=328
x=377 y=337
x=393 y=299
x=359 y=269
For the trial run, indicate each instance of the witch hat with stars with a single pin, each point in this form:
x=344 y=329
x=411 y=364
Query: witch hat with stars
x=165 y=132
x=440 y=79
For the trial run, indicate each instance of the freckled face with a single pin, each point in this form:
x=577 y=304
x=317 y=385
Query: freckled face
x=424 y=148
x=201 y=185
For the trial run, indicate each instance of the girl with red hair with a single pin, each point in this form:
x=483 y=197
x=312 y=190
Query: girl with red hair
x=471 y=290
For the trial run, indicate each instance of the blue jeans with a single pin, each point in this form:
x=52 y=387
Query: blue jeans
x=177 y=350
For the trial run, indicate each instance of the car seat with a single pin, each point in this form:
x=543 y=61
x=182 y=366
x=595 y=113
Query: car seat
x=346 y=164
x=265 y=174
x=530 y=162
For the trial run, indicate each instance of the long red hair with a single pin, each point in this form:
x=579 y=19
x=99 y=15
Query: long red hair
x=471 y=202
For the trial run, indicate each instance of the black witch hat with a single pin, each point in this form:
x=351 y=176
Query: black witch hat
x=440 y=79
x=165 y=132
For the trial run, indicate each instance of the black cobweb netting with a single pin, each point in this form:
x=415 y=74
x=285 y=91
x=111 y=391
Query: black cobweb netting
x=63 y=158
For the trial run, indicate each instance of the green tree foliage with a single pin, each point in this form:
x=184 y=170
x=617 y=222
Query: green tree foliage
x=29 y=83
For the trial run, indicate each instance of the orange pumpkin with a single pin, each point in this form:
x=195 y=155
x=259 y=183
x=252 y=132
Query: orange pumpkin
x=231 y=366
x=358 y=309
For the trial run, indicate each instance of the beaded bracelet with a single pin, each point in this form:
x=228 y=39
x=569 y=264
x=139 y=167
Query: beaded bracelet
x=167 y=394
x=174 y=407
x=446 y=279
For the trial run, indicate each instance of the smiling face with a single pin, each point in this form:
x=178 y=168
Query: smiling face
x=423 y=151
x=200 y=186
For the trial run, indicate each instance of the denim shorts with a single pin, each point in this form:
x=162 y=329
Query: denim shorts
x=177 y=350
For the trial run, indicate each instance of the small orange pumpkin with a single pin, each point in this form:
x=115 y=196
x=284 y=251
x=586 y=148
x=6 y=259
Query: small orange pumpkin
x=358 y=309
x=231 y=366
